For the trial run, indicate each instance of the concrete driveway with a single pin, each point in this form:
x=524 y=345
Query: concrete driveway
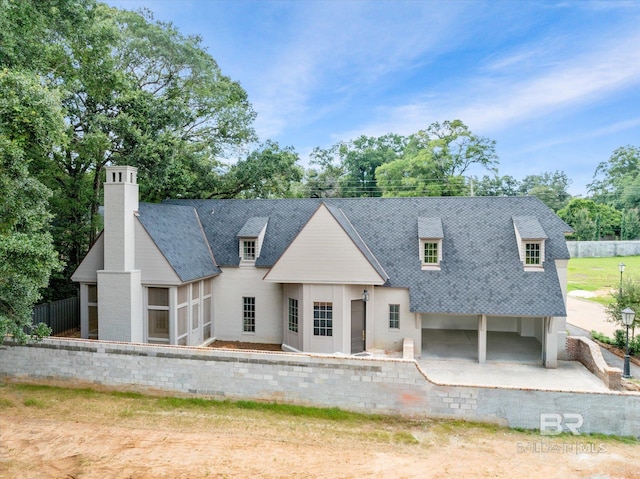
x=589 y=316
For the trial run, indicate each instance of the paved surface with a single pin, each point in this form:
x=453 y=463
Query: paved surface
x=569 y=376
x=589 y=316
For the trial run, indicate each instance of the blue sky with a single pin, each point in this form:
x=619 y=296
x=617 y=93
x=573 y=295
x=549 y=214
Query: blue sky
x=556 y=84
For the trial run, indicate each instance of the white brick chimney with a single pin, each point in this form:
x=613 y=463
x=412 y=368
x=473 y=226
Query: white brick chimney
x=119 y=284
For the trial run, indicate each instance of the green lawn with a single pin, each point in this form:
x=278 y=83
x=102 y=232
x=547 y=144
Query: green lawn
x=601 y=274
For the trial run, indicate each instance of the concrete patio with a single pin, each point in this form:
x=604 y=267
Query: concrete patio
x=569 y=376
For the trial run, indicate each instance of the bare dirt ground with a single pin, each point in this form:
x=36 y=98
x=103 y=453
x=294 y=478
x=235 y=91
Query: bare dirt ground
x=61 y=433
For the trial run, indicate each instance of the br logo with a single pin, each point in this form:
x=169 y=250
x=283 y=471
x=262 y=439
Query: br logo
x=553 y=424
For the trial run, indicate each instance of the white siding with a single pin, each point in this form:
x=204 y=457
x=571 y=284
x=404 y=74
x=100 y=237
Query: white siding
x=391 y=339
x=228 y=290
x=87 y=270
x=323 y=253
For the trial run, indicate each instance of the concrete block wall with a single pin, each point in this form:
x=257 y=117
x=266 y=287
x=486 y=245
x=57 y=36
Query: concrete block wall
x=603 y=249
x=394 y=386
x=580 y=348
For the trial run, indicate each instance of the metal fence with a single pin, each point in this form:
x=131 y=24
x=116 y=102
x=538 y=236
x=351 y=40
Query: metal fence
x=63 y=316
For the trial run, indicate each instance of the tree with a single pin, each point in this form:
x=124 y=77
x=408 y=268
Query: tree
x=268 y=172
x=496 y=186
x=31 y=124
x=550 y=188
x=435 y=160
x=135 y=91
x=630 y=224
x=590 y=220
x=627 y=297
x=613 y=177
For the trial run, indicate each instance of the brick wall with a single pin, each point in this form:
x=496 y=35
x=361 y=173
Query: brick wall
x=393 y=386
x=580 y=348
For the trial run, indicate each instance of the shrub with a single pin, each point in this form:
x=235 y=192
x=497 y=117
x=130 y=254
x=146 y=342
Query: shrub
x=620 y=338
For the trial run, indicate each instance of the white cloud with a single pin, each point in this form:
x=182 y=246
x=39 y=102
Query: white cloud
x=492 y=102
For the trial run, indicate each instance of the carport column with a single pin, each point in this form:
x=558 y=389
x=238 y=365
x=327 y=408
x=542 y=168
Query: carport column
x=482 y=338
x=550 y=344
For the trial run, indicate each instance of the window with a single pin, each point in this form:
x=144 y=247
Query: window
x=158 y=314
x=394 y=316
x=323 y=319
x=249 y=250
x=248 y=315
x=293 y=315
x=430 y=253
x=532 y=255
x=92 y=303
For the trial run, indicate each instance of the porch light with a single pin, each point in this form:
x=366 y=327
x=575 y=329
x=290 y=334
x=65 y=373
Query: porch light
x=365 y=296
x=628 y=315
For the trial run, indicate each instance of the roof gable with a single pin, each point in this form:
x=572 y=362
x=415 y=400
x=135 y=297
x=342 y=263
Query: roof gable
x=327 y=250
x=177 y=232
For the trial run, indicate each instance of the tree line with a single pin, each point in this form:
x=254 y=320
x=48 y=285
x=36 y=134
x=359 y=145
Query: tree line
x=84 y=85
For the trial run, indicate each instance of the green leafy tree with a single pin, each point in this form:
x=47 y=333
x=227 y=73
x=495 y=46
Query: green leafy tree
x=630 y=224
x=590 y=220
x=550 y=188
x=615 y=181
x=134 y=91
x=627 y=297
x=267 y=172
x=435 y=160
x=31 y=124
x=495 y=186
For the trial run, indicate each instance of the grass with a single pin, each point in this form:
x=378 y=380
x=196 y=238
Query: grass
x=601 y=274
x=131 y=409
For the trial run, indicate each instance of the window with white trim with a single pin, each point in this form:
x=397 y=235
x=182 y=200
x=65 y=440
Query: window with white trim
x=92 y=304
x=322 y=319
x=293 y=315
x=533 y=254
x=430 y=253
x=248 y=250
x=158 y=314
x=248 y=314
x=394 y=316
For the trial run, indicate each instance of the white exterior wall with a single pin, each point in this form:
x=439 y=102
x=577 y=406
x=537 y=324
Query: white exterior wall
x=121 y=201
x=120 y=315
x=391 y=339
x=228 y=290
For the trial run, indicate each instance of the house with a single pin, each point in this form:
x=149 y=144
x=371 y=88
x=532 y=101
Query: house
x=340 y=275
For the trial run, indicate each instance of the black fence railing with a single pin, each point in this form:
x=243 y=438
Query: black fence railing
x=63 y=317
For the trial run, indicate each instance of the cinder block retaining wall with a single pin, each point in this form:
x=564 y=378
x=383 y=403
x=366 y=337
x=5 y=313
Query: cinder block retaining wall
x=357 y=384
x=603 y=249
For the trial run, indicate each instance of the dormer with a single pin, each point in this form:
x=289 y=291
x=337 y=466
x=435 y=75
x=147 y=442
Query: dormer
x=430 y=237
x=250 y=239
x=531 y=241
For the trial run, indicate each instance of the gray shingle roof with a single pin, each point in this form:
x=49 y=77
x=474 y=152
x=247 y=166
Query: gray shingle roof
x=178 y=234
x=430 y=228
x=481 y=272
x=253 y=227
x=529 y=228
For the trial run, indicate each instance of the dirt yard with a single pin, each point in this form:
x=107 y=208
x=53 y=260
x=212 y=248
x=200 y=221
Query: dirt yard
x=63 y=433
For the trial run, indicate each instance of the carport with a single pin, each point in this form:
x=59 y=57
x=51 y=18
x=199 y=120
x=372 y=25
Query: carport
x=517 y=340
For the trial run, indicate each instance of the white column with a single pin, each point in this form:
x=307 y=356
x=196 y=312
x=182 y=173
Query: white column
x=550 y=344
x=482 y=339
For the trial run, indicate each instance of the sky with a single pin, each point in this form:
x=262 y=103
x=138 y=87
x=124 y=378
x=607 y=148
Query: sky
x=555 y=83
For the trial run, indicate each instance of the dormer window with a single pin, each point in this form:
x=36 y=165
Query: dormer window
x=430 y=253
x=430 y=235
x=531 y=241
x=250 y=239
x=248 y=250
x=532 y=255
